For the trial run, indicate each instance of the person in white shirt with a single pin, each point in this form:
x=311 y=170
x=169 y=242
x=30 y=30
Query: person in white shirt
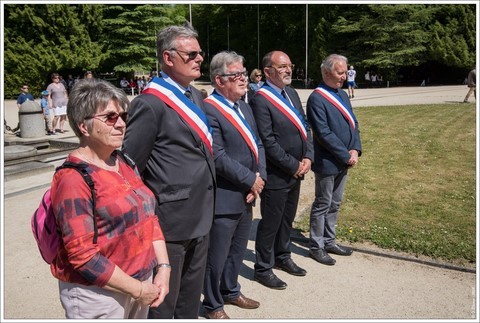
x=351 y=73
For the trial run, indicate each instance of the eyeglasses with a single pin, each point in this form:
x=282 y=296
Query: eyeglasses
x=191 y=55
x=258 y=75
x=236 y=75
x=55 y=77
x=111 y=118
x=25 y=88
x=283 y=67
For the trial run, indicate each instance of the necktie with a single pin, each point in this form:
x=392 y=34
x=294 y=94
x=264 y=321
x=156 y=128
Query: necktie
x=284 y=94
x=188 y=94
x=236 y=107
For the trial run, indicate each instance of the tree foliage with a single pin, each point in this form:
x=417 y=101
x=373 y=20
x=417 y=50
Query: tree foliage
x=130 y=34
x=43 y=38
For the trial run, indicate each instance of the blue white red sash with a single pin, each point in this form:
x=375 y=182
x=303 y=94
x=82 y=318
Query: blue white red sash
x=187 y=110
x=236 y=120
x=285 y=107
x=347 y=114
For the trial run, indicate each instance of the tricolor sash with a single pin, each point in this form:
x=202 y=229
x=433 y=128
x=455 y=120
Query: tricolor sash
x=285 y=106
x=236 y=120
x=187 y=110
x=347 y=114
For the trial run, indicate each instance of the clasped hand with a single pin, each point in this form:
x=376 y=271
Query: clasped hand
x=256 y=189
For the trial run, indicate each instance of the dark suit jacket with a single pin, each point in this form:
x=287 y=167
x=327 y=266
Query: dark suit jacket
x=174 y=164
x=235 y=163
x=333 y=136
x=283 y=143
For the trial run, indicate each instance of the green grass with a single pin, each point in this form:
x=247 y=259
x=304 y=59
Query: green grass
x=414 y=188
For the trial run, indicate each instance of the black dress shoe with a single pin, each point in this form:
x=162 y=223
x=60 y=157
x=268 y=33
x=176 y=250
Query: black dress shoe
x=322 y=257
x=290 y=267
x=270 y=281
x=338 y=250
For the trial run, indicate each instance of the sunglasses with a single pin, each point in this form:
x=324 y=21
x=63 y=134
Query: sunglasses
x=237 y=75
x=110 y=118
x=191 y=55
x=24 y=88
x=258 y=75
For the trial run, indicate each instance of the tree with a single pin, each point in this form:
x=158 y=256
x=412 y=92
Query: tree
x=130 y=34
x=41 y=39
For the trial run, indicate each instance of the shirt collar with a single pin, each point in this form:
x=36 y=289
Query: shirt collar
x=169 y=80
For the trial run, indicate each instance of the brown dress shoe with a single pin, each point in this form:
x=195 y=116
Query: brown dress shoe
x=216 y=315
x=243 y=302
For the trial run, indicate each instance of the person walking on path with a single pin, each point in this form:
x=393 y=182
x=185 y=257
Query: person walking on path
x=241 y=176
x=285 y=135
x=105 y=272
x=337 y=148
x=170 y=139
x=57 y=100
x=351 y=74
x=472 y=75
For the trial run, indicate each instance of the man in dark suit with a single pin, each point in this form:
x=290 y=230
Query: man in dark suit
x=240 y=168
x=337 y=148
x=286 y=138
x=169 y=137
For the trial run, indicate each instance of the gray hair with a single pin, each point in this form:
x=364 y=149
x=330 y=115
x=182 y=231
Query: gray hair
x=329 y=63
x=167 y=38
x=90 y=96
x=221 y=61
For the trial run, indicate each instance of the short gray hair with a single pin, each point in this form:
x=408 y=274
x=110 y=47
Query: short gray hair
x=329 y=63
x=89 y=96
x=167 y=38
x=220 y=61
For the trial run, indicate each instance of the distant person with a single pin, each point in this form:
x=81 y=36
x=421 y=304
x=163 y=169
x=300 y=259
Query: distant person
x=46 y=113
x=255 y=80
x=204 y=93
x=88 y=75
x=57 y=100
x=337 y=148
x=124 y=83
x=286 y=138
x=373 y=79
x=367 y=79
x=471 y=85
x=21 y=99
x=351 y=74
x=240 y=172
x=110 y=276
x=169 y=137
x=70 y=83
x=24 y=95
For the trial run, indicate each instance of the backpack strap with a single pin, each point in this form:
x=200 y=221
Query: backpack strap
x=130 y=162
x=82 y=170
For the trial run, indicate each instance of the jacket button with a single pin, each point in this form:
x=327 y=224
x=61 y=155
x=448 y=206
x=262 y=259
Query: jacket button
x=210 y=187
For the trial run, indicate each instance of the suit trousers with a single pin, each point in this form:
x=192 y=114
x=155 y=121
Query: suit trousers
x=278 y=208
x=228 y=242
x=323 y=216
x=188 y=260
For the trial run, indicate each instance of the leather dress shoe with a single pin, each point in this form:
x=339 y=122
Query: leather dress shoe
x=322 y=257
x=243 y=302
x=290 y=267
x=216 y=315
x=338 y=250
x=270 y=281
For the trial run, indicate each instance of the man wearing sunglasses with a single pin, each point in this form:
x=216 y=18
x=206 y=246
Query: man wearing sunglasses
x=286 y=138
x=169 y=137
x=241 y=174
